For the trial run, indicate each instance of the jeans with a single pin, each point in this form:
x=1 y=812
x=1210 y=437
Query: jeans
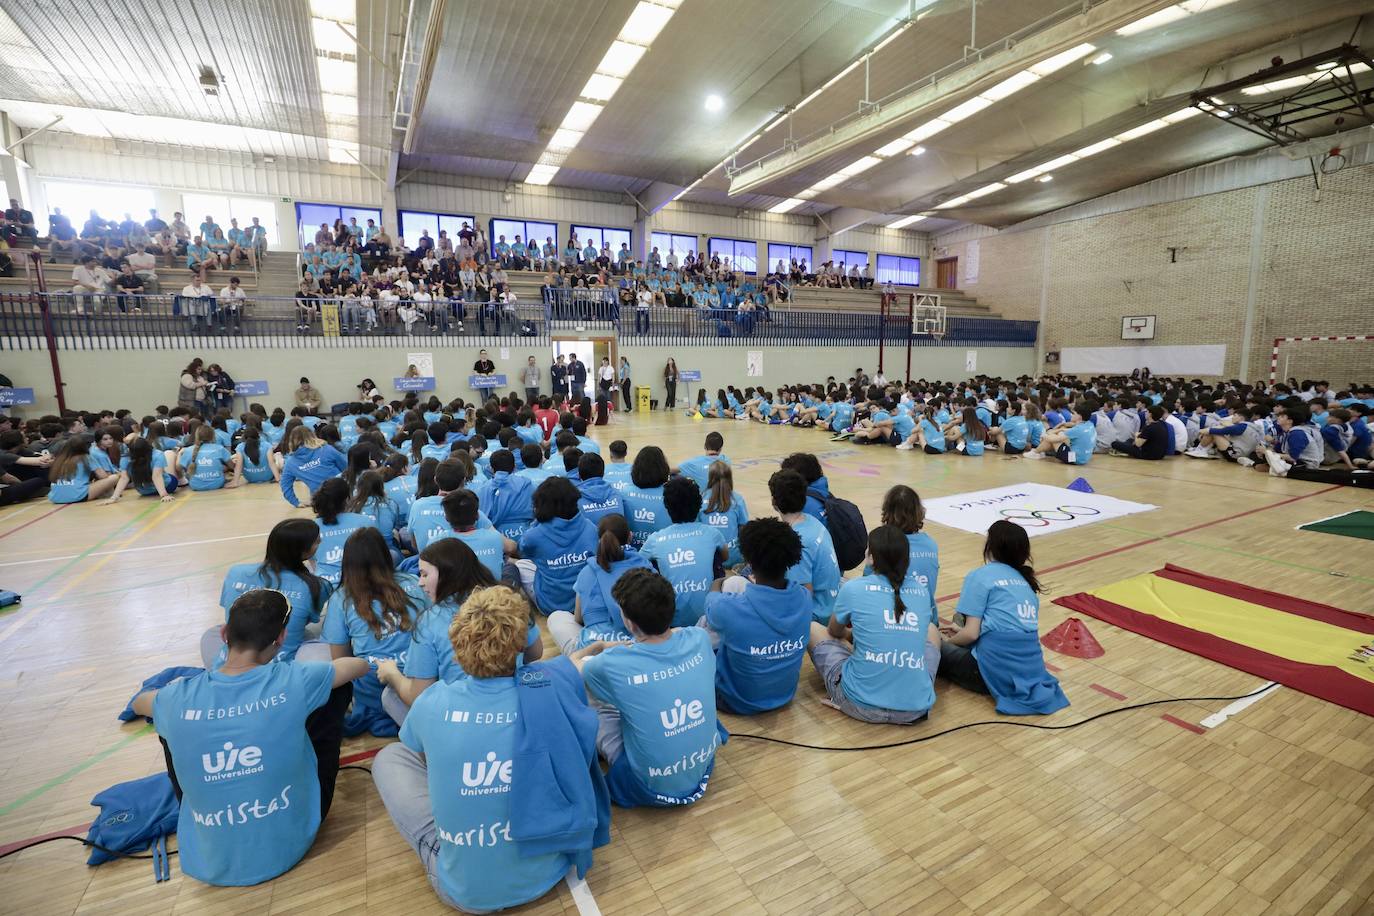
x=641 y=317
x=625 y=395
x=671 y=397
x=532 y=394
x=959 y=667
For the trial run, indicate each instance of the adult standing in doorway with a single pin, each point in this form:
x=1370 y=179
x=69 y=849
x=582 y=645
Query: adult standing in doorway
x=191 y=390
x=308 y=396
x=530 y=376
x=577 y=372
x=484 y=365
x=670 y=384
x=625 y=384
x=558 y=373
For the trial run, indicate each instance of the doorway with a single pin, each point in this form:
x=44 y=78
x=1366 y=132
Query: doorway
x=947 y=273
x=590 y=351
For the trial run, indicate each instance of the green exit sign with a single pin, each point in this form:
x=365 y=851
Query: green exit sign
x=286 y=200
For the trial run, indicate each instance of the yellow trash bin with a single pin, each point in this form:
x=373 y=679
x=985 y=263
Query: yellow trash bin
x=642 y=397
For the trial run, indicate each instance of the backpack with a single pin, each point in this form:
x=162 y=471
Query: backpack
x=845 y=523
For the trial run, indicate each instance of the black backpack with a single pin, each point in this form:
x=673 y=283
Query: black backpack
x=845 y=523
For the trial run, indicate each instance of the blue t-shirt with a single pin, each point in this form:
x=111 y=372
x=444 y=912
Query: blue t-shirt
x=618 y=475
x=644 y=511
x=601 y=617
x=763 y=636
x=1082 y=438
x=599 y=499
x=935 y=437
x=972 y=447
x=250 y=804
x=385 y=516
x=259 y=471
x=430 y=656
x=207 y=472
x=728 y=524
x=247 y=577
x=74 y=488
x=698 y=469
x=329 y=556
x=666 y=695
x=559 y=548
x=887 y=669
x=685 y=555
x=343 y=626
x=923 y=562
x=402 y=492
x=158 y=464
x=818 y=567
x=1015 y=430
x=902 y=425
x=466 y=730
x=1003 y=598
x=487 y=543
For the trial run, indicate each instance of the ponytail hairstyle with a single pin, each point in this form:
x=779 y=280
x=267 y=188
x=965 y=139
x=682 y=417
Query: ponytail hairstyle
x=156 y=432
x=205 y=435
x=368 y=576
x=891 y=556
x=1009 y=544
x=460 y=573
x=613 y=533
x=141 y=462
x=329 y=500
x=369 y=487
x=289 y=544
x=395 y=466
x=418 y=440
x=974 y=428
x=720 y=487
x=252 y=443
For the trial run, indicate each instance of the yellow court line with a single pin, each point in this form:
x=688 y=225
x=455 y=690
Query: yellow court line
x=90 y=571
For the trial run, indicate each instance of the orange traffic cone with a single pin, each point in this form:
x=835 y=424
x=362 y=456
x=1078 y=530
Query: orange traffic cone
x=1072 y=638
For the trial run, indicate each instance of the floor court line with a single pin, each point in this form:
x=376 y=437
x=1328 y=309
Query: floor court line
x=74 y=771
x=581 y=894
x=1221 y=715
x=105 y=553
x=33 y=521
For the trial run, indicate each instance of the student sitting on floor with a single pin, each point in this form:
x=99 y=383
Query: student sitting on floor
x=1152 y=444
x=145 y=467
x=336 y=526
x=968 y=433
x=688 y=553
x=308 y=460
x=1074 y=443
x=254 y=787
x=698 y=469
x=996 y=649
x=759 y=625
x=643 y=498
x=902 y=508
x=464 y=520
x=1234 y=441
x=451 y=785
x=555 y=548
x=74 y=476
x=818 y=569
x=887 y=673
x=659 y=731
x=598 y=497
x=725 y=509
x=1298 y=444
x=597 y=616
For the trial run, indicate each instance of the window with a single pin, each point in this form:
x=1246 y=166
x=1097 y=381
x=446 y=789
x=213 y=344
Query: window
x=310 y=216
x=898 y=270
x=680 y=245
x=195 y=207
x=786 y=254
x=111 y=201
x=848 y=259
x=744 y=256
x=602 y=237
x=525 y=228
x=413 y=222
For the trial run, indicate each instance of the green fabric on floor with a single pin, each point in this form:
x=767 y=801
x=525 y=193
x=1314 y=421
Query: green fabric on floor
x=1357 y=524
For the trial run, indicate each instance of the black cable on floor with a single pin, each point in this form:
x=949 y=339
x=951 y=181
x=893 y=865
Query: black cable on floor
x=84 y=842
x=1007 y=722
x=354 y=766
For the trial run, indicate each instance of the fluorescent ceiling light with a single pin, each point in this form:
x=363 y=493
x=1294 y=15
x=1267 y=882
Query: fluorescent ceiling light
x=966 y=110
x=953 y=202
x=1027 y=175
x=895 y=148
x=620 y=59
x=1059 y=162
x=854 y=65
x=985 y=190
x=644 y=24
x=1010 y=85
x=581 y=116
x=787 y=205
x=1062 y=59
x=825 y=184
x=541 y=174
x=890 y=37
x=1154 y=20
x=1102 y=58
x=565 y=139
x=1182 y=114
x=917 y=151
x=601 y=87
x=1148 y=127
x=928 y=129
x=1045 y=178
x=1095 y=148
x=862 y=165
x=714 y=102
x=905 y=221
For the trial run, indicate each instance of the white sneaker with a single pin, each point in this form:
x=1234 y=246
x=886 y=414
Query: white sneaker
x=1033 y=456
x=905 y=447
x=1277 y=466
x=1245 y=462
x=1198 y=451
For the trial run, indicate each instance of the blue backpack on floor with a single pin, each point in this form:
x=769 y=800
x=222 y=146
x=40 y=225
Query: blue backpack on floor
x=8 y=598
x=132 y=816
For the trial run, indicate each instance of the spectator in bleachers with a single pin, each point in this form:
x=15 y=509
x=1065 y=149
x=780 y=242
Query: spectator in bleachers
x=182 y=231
x=424 y=245
x=144 y=265
x=88 y=280
x=94 y=230
x=323 y=237
x=128 y=284
x=549 y=261
x=355 y=232
x=62 y=237
x=208 y=227
x=231 y=301
x=154 y=223
x=219 y=248
x=21 y=220
x=257 y=240
x=199 y=256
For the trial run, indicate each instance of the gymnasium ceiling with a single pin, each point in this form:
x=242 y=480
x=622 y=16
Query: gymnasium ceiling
x=495 y=81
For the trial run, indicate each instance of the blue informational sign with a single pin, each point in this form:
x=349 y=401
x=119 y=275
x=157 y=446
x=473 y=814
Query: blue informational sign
x=250 y=389
x=417 y=383
x=15 y=397
x=689 y=375
x=487 y=381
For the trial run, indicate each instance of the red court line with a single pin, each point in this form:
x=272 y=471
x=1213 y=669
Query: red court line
x=34 y=520
x=78 y=831
x=1053 y=668
x=1109 y=692
x=1181 y=724
x=363 y=755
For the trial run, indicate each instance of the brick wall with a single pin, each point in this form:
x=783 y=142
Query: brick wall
x=1316 y=274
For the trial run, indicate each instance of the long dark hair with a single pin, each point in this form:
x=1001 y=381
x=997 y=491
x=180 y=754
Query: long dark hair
x=888 y=547
x=329 y=500
x=974 y=428
x=418 y=440
x=74 y=452
x=650 y=468
x=205 y=435
x=460 y=572
x=288 y=545
x=252 y=443
x=360 y=458
x=424 y=478
x=369 y=576
x=116 y=434
x=370 y=487
x=141 y=462
x=1008 y=543
x=720 y=487
x=902 y=508
x=613 y=533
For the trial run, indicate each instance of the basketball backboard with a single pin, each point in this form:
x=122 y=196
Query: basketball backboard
x=1138 y=327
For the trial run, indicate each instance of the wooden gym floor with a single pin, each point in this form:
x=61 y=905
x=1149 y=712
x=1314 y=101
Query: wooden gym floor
x=1268 y=813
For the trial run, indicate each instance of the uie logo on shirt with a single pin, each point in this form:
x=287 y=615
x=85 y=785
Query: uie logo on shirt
x=644 y=515
x=334 y=555
x=232 y=762
x=486 y=777
x=681 y=716
x=717 y=519
x=682 y=557
x=1026 y=610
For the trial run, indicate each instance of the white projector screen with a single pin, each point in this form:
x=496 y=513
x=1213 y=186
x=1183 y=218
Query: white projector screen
x=1207 y=359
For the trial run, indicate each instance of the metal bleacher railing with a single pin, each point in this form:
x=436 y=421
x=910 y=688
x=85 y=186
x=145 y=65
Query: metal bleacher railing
x=109 y=321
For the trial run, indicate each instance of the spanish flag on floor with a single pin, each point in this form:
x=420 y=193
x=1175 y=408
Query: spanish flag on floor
x=1317 y=649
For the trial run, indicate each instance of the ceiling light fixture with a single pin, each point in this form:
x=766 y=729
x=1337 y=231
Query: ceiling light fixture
x=786 y=206
x=905 y=221
x=917 y=151
x=1102 y=58
x=1171 y=14
x=1043 y=179
x=714 y=102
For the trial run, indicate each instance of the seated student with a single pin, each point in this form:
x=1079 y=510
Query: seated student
x=598 y=497
x=1013 y=433
x=878 y=654
x=617 y=472
x=75 y=477
x=1072 y=444
x=554 y=549
x=510 y=499
x=462 y=829
x=725 y=509
x=369 y=498
x=659 y=733
x=927 y=435
x=877 y=427
x=1237 y=440
x=997 y=648
x=643 y=498
x=969 y=432
x=449 y=573
x=817 y=484
x=371 y=616
x=588 y=445
x=1153 y=442
x=146 y=468
x=308 y=460
x=688 y=552
x=464 y=520
x=291 y=545
x=902 y=509
x=426 y=521
x=244 y=820
x=596 y=616
x=251 y=459
x=1338 y=437
x=336 y=526
x=818 y=570
x=698 y=469
x=760 y=625
x=535 y=470
x=1298 y=444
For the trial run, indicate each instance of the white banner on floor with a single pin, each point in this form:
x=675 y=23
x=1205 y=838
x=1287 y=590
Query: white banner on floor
x=1038 y=508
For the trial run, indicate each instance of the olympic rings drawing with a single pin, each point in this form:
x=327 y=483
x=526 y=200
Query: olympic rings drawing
x=1041 y=518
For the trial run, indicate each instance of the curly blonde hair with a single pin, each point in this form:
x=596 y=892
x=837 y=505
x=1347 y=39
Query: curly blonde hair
x=490 y=631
